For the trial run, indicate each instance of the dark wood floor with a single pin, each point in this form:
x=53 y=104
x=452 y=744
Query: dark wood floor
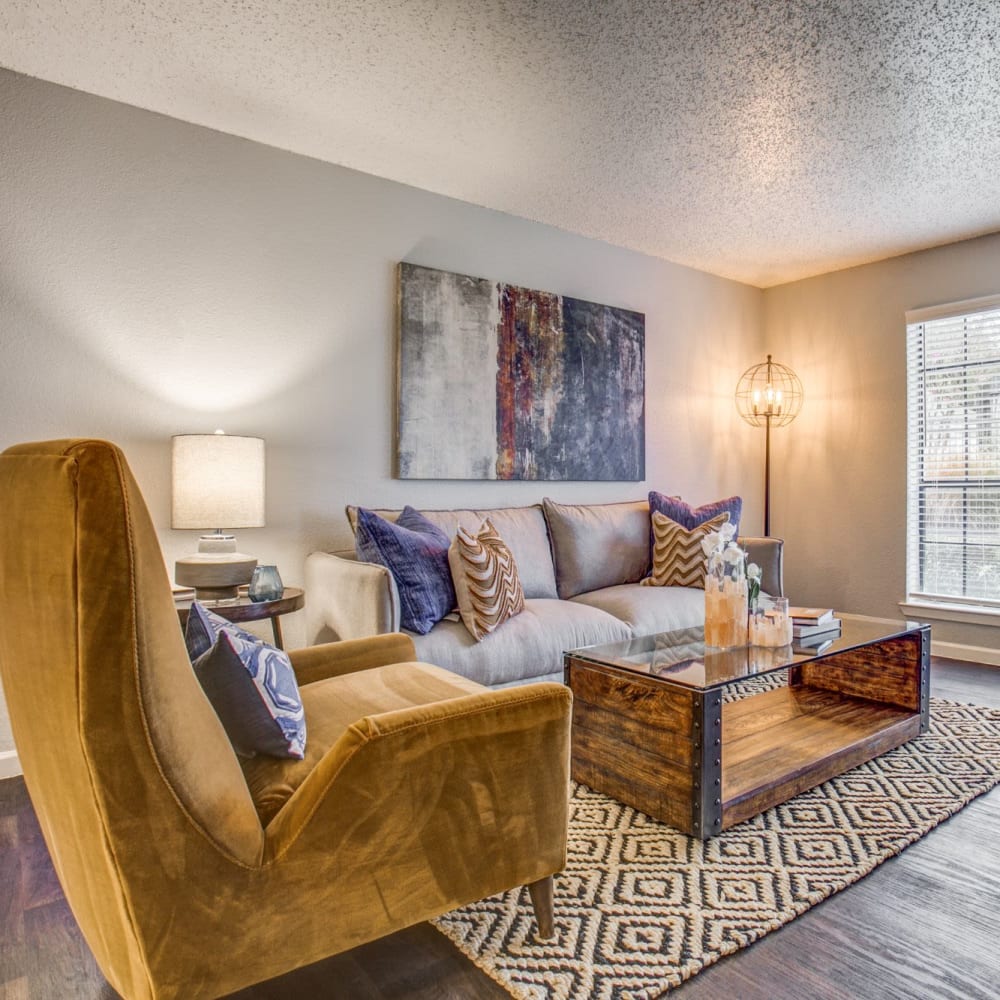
x=925 y=924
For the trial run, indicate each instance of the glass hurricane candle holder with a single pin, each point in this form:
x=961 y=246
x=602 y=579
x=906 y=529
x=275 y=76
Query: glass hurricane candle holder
x=770 y=624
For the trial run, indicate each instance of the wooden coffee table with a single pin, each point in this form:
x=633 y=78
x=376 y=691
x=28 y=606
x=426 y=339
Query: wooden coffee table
x=651 y=730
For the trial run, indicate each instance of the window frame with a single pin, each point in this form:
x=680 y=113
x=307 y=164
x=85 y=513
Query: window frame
x=982 y=611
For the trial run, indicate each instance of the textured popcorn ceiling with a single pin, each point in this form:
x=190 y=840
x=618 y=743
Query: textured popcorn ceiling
x=761 y=141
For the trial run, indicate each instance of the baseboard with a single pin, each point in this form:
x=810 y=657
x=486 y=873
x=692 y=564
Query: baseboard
x=949 y=650
x=10 y=765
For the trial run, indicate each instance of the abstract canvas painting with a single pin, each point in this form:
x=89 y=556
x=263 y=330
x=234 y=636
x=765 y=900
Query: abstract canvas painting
x=501 y=382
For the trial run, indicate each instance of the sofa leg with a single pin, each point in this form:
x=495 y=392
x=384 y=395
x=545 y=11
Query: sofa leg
x=541 y=900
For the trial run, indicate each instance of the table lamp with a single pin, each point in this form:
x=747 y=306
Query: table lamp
x=218 y=481
x=768 y=394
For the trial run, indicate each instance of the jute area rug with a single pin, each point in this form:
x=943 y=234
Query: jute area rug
x=640 y=908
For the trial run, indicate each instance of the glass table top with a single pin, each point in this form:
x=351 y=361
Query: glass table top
x=682 y=658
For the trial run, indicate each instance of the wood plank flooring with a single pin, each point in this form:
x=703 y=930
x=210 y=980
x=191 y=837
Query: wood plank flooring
x=923 y=925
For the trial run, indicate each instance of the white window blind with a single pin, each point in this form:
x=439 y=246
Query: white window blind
x=953 y=453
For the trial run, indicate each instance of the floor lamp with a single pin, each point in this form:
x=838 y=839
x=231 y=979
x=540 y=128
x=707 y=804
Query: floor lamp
x=767 y=395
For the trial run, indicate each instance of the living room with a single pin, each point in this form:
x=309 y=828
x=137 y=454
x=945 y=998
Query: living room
x=162 y=276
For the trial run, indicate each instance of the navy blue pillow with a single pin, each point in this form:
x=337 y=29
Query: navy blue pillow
x=253 y=690
x=690 y=517
x=415 y=551
x=203 y=628
x=251 y=685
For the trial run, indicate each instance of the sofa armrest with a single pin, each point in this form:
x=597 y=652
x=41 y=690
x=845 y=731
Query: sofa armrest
x=348 y=599
x=332 y=659
x=767 y=554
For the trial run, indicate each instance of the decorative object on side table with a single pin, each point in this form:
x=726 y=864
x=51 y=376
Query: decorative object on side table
x=265 y=584
x=725 y=590
x=768 y=394
x=218 y=480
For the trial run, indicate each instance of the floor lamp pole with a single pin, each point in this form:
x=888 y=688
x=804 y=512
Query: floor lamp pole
x=767 y=475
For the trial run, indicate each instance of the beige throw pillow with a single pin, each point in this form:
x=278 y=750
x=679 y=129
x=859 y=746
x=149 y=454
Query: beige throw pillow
x=486 y=581
x=678 y=558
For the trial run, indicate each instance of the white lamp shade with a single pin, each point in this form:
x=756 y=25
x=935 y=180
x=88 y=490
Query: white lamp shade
x=218 y=481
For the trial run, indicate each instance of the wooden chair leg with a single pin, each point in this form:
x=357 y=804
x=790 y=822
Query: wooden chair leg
x=541 y=900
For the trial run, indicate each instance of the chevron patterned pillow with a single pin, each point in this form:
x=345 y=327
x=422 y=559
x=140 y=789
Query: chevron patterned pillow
x=486 y=581
x=678 y=558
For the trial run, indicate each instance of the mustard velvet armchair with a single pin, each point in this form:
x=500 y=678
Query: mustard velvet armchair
x=193 y=875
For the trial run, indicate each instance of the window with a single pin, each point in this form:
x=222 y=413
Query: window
x=953 y=454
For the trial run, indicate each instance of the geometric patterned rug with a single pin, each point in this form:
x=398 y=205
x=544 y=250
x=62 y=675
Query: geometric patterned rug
x=640 y=907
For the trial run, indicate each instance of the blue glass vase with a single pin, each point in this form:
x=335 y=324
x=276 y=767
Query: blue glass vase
x=265 y=584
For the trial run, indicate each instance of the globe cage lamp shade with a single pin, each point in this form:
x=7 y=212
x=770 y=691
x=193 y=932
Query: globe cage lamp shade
x=768 y=395
x=218 y=483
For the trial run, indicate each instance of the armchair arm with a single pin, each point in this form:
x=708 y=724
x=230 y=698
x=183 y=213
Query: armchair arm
x=473 y=789
x=334 y=658
x=767 y=553
x=348 y=599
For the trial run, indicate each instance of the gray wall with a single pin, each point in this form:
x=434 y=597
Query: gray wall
x=839 y=479
x=160 y=278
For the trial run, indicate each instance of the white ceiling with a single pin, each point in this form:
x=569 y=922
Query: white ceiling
x=761 y=141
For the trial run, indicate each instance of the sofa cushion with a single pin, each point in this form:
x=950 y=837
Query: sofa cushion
x=486 y=581
x=679 y=556
x=333 y=704
x=648 y=610
x=415 y=551
x=522 y=528
x=528 y=646
x=690 y=517
x=597 y=545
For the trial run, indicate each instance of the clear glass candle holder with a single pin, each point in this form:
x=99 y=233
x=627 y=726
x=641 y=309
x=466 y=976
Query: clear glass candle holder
x=770 y=624
x=265 y=584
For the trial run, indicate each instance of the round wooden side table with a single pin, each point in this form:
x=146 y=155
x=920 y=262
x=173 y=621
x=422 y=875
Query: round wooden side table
x=242 y=609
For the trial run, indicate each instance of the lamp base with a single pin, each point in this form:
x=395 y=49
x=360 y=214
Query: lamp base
x=216 y=570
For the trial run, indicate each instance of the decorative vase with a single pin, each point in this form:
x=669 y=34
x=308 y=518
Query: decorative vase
x=265 y=585
x=770 y=624
x=726 y=598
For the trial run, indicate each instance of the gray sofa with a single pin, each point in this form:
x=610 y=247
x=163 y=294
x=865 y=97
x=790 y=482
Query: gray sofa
x=580 y=567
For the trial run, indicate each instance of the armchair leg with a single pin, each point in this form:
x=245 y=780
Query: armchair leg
x=541 y=900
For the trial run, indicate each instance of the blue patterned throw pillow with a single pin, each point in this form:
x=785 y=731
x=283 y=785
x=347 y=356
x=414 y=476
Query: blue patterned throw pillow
x=691 y=517
x=203 y=628
x=415 y=551
x=252 y=688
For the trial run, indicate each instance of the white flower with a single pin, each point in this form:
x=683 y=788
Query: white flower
x=710 y=544
x=753 y=571
x=733 y=555
x=727 y=532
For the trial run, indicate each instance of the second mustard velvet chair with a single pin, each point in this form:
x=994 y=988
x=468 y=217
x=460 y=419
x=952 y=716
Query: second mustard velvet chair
x=191 y=876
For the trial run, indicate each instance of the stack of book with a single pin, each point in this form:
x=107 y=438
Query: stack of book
x=813 y=626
